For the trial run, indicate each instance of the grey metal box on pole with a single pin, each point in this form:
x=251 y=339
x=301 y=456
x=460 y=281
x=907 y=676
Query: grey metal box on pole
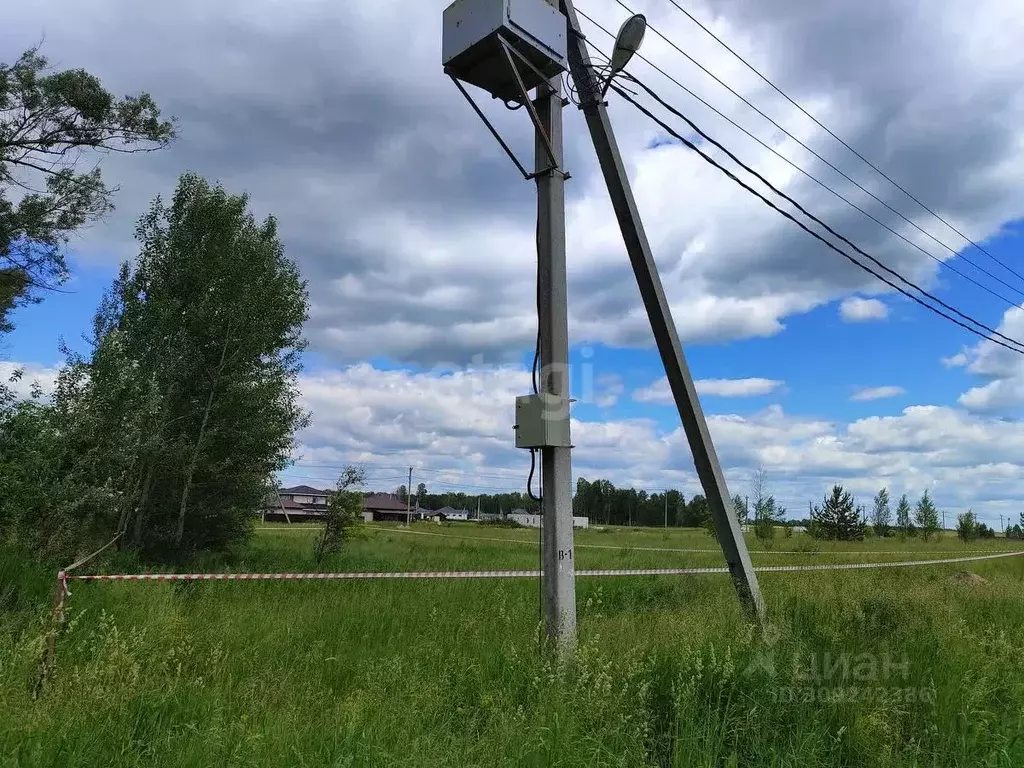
x=538 y=425
x=472 y=36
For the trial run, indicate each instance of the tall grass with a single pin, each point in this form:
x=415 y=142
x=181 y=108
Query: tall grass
x=925 y=668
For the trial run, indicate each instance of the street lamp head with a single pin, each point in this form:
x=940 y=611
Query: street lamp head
x=631 y=34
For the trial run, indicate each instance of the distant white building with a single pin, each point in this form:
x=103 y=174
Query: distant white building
x=534 y=521
x=447 y=514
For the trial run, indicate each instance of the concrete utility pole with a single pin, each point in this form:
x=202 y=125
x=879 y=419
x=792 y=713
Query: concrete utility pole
x=408 y=501
x=680 y=381
x=555 y=462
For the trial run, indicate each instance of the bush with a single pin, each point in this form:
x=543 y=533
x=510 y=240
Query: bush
x=344 y=517
x=967 y=526
x=764 y=530
x=502 y=523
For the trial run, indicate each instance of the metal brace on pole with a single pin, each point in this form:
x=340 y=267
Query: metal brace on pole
x=730 y=535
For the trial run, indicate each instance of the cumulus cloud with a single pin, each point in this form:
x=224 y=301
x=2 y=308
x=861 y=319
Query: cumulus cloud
x=456 y=428
x=1000 y=368
x=876 y=393
x=858 y=310
x=609 y=390
x=415 y=232
x=959 y=360
x=22 y=378
x=659 y=391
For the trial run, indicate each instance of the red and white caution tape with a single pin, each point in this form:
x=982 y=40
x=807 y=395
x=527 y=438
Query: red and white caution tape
x=305 y=576
x=510 y=574
x=631 y=547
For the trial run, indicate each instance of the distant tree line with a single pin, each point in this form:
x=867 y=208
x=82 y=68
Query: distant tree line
x=489 y=503
x=600 y=500
x=838 y=517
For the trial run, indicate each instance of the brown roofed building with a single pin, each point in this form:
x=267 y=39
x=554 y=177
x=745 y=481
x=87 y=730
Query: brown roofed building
x=302 y=503
x=386 y=508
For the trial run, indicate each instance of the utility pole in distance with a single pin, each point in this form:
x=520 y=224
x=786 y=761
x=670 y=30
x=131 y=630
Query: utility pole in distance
x=408 y=501
x=555 y=461
x=676 y=370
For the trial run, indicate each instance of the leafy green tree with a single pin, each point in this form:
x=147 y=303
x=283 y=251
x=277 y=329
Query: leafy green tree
x=766 y=517
x=402 y=492
x=985 y=532
x=13 y=284
x=967 y=526
x=698 y=513
x=926 y=516
x=50 y=122
x=904 y=524
x=837 y=518
x=742 y=512
x=421 y=493
x=344 y=515
x=194 y=368
x=881 y=516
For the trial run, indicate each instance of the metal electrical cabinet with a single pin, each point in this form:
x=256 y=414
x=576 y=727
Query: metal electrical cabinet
x=538 y=426
x=471 y=43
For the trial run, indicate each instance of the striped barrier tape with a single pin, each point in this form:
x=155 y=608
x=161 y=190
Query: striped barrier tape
x=508 y=574
x=629 y=547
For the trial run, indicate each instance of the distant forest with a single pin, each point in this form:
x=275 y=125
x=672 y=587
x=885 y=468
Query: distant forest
x=599 y=500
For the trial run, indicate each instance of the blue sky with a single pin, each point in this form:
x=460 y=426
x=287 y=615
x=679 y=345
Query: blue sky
x=416 y=236
x=821 y=359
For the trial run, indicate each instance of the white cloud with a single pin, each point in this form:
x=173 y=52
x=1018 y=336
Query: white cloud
x=959 y=360
x=455 y=428
x=877 y=393
x=1000 y=368
x=858 y=310
x=45 y=377
x=609 y=390
x=659 y=391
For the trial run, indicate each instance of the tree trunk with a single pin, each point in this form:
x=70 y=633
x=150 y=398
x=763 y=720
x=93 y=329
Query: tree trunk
x=125 y=516
x=179 y=532
x=140 y=510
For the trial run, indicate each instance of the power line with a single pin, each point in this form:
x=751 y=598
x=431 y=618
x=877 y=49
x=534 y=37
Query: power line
x=831 y=165
x=482 y=487
x=881 y=173
x=806 y=173
x=814 y=218
x=710 y=160
x=513 y=475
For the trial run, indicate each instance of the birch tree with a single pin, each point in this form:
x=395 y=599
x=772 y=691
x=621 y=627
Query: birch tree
x=205 y=326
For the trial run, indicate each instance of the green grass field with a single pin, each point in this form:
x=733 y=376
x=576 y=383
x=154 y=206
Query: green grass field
x=915 y=666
